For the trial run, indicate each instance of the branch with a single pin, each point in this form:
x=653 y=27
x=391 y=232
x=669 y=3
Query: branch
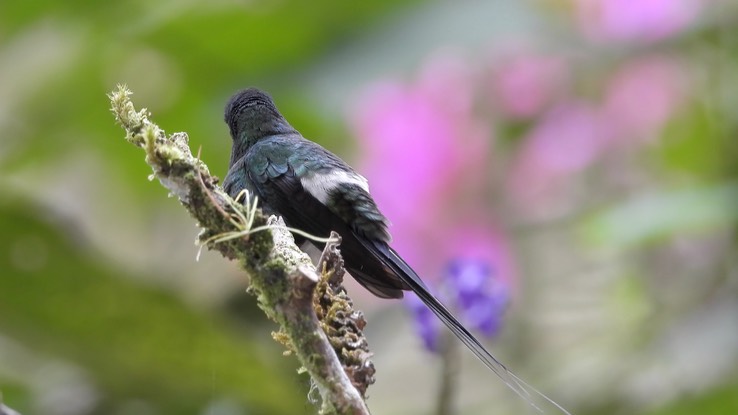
x=282 y=276
x=340 y=321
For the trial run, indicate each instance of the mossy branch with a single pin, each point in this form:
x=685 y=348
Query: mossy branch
x=282 y=276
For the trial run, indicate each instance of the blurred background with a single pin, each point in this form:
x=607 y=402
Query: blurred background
x=562 y=172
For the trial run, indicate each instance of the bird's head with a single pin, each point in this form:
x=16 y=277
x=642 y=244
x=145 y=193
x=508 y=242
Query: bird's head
x=252 y=115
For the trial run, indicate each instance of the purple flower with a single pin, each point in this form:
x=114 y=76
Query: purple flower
x=479 y=295
x=426 y=323
x=475 y=284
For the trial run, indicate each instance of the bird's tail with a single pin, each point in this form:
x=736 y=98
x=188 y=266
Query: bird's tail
x=536 y=399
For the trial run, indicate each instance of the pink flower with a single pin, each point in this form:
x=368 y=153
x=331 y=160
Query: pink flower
x=420 y=145
x=523 y=85
x=407 y=148
x=426 y=157
x=643 y=95
x=635 y=20
x=448 y=82
x=566 y=140
x=404 y=141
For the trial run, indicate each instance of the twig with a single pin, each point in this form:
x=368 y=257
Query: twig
x=282 y=276
x=449 y=375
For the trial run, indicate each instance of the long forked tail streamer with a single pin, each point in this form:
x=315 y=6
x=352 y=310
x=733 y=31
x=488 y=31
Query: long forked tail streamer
x=520 y=387
x=527 y=392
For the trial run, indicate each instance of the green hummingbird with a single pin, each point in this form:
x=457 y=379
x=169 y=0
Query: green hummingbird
x=315 y=191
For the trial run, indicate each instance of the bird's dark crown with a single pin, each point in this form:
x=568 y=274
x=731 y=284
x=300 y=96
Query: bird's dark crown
x=251 y=116
x=248 y=103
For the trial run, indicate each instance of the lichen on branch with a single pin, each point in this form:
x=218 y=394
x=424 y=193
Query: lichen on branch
x=282 y=277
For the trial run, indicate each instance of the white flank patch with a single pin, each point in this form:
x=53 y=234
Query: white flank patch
x=320 y=185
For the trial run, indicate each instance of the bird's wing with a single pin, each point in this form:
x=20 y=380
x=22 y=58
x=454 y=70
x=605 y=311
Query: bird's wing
x=317 y=202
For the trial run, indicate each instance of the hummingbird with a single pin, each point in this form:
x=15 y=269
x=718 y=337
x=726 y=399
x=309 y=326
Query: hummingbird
x=315 y=191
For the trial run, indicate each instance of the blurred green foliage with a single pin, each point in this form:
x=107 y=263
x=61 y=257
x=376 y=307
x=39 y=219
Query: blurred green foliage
x=103 y=309
x=719 y=401
x=62 y=297
x=135 y=341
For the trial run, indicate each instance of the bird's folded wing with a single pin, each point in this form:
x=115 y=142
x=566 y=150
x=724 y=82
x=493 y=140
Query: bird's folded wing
x=284 y=191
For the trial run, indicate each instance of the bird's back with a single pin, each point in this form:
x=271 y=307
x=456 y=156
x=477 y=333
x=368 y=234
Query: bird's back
x=315 y=191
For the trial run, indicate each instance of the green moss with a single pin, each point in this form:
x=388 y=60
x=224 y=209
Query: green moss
x=260 y=243
x=268 y=266
x=272 y=278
